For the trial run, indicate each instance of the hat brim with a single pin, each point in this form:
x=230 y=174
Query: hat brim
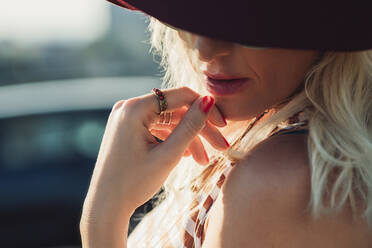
x=123 y=4
x=275 y=24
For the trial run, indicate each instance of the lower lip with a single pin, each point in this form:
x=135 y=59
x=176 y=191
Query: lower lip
x=225 y=87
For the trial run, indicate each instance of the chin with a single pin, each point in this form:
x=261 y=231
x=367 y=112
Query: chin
x=232 y=113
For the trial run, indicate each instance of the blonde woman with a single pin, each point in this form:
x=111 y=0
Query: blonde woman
x=262 y=136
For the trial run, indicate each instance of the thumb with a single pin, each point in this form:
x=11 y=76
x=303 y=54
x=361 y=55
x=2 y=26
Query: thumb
x=190 y=126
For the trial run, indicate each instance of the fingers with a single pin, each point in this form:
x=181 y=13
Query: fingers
x=171 y=119
x=165 y=118
x=168 y=119
x=118 y=104
x=198 y=151
x=216 y=117
x=214 y=137
x=177 y=98
x=209 y=132
x=188 y=128
x=163 y=135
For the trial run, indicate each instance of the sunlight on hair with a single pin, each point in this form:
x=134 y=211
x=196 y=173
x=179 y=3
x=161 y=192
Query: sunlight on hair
x=336 y=97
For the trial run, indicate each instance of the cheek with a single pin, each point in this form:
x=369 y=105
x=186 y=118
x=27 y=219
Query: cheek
x=265 y=92
x=277 y=76
x=280 y=79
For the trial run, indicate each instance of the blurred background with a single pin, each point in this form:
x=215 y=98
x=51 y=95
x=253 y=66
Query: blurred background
x=63 y=64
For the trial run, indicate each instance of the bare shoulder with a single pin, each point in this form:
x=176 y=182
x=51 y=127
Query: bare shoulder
x=263 y=200
x=277 y=165
x=276 y=169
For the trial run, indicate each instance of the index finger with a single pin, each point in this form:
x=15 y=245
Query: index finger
x=177 y=98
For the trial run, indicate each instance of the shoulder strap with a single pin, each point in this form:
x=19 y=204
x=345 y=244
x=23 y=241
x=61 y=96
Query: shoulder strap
x=300 y=131
x=294 y=129
x=296 y=124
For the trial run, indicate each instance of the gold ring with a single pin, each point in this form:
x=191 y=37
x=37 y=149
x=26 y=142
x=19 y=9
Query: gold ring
x=161 y=100
x=165 y=118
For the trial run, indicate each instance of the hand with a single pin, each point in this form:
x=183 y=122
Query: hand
x=132 y=166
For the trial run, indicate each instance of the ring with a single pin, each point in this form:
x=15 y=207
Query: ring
x=161 y=100
x=165 y=118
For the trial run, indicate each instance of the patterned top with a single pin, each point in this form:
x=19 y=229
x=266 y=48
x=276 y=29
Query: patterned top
x=188 y=230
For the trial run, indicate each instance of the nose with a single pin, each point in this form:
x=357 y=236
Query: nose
x=207 y=48
x=210 y=48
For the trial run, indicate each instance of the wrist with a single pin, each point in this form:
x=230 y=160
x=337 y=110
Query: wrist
x=97 y=219
x=100 y=211
x=103 y=225
x=103 y=232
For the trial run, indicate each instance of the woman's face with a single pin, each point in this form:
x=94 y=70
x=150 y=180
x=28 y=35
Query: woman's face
x=274 y=74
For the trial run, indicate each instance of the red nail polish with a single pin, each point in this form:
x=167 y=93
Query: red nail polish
x=206 y=156
x=206 y=103
x=224 y=120
x=227 y=143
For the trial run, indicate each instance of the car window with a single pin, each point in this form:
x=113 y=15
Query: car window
x=51 y=140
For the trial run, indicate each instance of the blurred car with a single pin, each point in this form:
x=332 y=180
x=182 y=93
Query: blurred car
x=50 y=136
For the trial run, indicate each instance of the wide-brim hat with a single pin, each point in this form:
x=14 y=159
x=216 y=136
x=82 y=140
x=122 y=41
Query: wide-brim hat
x=325 y=25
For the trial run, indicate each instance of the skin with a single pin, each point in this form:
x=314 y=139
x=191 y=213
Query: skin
x=275 y=73
x=262 y=204
x=132 y=166
x=271 y=186
x=126 y=176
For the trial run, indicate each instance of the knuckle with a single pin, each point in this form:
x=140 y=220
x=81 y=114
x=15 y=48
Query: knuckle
x=117 y=105
x=132 y=104
x=189 y=91
x=130 y=107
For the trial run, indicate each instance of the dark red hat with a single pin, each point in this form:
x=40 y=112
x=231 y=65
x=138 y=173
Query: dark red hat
x=325 y=25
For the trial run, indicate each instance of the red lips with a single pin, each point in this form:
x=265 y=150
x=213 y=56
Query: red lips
x=221 y=76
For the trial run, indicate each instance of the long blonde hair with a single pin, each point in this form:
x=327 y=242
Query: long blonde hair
x=337 y=93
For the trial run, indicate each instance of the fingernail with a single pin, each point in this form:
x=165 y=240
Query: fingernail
x=227 y=143
x=206 y=103
x=206 y=156
x=224 y=120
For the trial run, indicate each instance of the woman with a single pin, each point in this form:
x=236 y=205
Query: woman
x=285 y=155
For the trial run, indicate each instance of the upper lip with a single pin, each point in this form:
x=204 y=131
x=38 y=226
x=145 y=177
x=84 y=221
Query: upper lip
x=221 y=76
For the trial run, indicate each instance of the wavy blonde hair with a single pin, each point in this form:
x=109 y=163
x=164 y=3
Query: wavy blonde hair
x=337 y=96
